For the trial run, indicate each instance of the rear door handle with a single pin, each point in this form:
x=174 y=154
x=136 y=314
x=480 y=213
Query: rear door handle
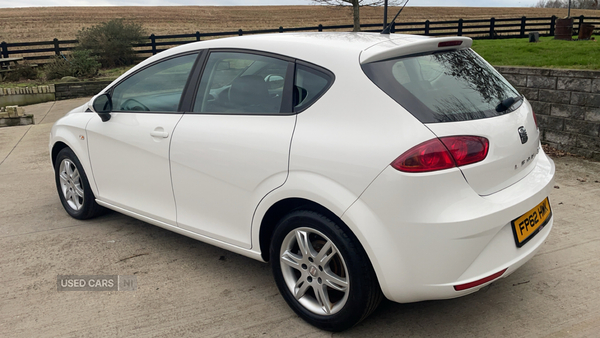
x=159 y=132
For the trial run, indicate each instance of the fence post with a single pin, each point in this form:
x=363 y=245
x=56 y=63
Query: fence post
x=320 y=28
x=523 y=23
x=280 y=29
x=492 y=27
x=4 y=47
x=240 y=32
x=393 y=30
x=56 y=47
x=580 y=24
x=153 y=42
x=552 y=25
x=460 y=27
x=427 y=27
x=197 y=36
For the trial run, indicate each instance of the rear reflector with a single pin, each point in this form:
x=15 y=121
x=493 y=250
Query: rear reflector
x=449 y=43
x=479 y=282
x=443 y=153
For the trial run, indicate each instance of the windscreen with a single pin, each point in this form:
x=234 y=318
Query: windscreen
x=443 y=87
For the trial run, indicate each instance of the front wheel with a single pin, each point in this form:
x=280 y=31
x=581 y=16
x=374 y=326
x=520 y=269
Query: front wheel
x=73 y=187
x=322 y=272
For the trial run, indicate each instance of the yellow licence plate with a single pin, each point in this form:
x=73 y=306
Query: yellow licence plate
x=528 y=225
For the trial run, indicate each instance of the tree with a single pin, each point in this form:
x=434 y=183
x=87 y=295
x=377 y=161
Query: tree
x=112 y=41
x=578 y=4
x=356 y=4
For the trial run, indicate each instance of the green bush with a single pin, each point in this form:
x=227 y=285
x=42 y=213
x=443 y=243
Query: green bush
x=79 y=64
x=112 y=41
x=22 y=71
x=57 y=68
x=84 y=64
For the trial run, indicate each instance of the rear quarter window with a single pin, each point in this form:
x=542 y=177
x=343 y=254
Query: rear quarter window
x=310 y=83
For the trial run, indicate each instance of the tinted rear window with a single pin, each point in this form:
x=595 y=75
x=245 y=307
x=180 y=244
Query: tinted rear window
x=443 y=87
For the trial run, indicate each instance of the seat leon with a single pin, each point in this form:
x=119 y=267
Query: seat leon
x=360 y=165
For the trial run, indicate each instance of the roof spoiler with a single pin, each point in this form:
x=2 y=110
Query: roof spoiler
x=394 y=48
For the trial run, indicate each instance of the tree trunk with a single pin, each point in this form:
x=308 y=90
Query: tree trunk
x=356 y=15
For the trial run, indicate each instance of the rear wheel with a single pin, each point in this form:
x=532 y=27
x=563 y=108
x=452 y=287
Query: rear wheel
x=73 y=187
x=322 y=272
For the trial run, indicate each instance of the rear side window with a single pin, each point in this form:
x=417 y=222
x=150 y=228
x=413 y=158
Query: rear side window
x=309 y=85
x=242 y=83
x=444 y=87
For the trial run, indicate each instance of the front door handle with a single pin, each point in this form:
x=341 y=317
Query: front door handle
x=159 y=132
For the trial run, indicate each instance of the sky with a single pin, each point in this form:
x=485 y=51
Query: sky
x=46 y=3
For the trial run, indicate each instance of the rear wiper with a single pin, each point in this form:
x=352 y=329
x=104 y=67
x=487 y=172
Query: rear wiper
x=507 y=103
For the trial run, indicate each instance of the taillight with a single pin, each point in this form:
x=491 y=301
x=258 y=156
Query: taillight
x=449 y=43
x=443 y=153
x=467 y=149
x=535 y=119
x=427 y=156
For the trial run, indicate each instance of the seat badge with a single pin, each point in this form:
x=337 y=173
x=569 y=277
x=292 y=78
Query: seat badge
x=523 y=135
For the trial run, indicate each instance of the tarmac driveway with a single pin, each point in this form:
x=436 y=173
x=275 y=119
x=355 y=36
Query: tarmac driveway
x=187 y=288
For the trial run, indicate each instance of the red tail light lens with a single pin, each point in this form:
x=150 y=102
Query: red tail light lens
x=535 y=119
x=427 y=156
x=467 y=149
x=443 y=153
x=449 y=43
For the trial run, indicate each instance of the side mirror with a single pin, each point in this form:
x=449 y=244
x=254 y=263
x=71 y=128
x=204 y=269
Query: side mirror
x=103 y=106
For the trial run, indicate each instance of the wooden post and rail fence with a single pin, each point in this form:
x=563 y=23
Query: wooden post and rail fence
x=478 y=29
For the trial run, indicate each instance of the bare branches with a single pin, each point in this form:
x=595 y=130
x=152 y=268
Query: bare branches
x=576 y=4
x=356 y=4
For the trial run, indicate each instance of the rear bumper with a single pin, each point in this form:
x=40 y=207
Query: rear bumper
x=427 y=233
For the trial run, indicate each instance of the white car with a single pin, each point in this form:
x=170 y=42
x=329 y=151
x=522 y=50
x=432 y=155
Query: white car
x=361 y=165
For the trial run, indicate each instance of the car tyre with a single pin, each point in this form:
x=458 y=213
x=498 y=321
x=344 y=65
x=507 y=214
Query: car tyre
x=322 y=271
x=73 y=186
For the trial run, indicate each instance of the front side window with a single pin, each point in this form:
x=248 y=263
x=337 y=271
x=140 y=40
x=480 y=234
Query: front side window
x=242 y=83
x=443 y=87
x=157 y=88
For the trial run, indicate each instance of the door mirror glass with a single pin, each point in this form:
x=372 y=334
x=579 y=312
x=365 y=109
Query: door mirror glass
x=103 y=106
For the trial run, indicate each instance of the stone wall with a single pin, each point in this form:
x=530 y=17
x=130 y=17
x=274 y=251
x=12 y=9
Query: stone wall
x=61 y=91
x=27 y=90
x=567 y=105
x=73 y=90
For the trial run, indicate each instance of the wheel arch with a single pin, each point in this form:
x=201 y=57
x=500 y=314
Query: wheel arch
x=56 y=148
x=283 y=207
x=62 y=140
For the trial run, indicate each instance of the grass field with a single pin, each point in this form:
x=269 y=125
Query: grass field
x=47 y=23
x=547 y=53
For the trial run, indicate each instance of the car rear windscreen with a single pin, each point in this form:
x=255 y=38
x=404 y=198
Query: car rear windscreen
x=443 y=87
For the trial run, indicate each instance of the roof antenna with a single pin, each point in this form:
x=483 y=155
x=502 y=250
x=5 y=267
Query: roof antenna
x=389 y=27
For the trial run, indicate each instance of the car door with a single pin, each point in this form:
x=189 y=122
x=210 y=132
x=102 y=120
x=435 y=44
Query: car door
x=233 y=148
x=130 y=152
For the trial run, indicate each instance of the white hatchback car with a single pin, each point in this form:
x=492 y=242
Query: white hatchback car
x=361 y=165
